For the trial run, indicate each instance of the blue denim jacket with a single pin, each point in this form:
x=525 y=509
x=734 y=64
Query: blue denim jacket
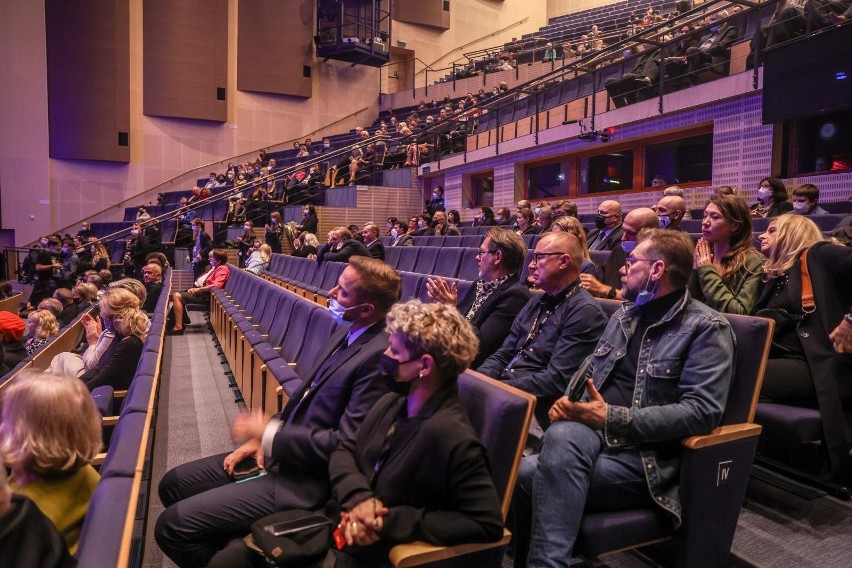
x=684 y=372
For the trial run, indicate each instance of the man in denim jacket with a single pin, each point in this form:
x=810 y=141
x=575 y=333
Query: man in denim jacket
x=660 y=372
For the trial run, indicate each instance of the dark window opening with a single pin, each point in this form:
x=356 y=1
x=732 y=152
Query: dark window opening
x=606 y=172
x=687 y=160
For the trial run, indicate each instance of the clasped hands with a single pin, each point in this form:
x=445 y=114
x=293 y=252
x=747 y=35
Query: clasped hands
x=591 y=413
x=703 y=256
x=362 y=524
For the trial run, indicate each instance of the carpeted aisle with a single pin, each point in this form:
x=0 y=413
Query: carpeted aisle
x=196 y=410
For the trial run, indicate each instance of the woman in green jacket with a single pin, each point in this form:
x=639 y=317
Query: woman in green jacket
x=728 y=268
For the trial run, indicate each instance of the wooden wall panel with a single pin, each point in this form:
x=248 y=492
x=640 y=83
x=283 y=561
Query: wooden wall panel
x=185 y=61
x=88 y=79
x=424 y=12
x=274 y=46
x=374 y=204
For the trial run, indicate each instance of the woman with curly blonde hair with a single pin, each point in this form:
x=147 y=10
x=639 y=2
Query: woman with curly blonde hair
x=416 y=470
x=49 y=435
x=41 y=325
x=121 y=314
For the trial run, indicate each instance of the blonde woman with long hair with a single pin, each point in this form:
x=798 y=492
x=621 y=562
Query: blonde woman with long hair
x=809 y=364
x=100 y=256
x=121 y=313
x=49 y=435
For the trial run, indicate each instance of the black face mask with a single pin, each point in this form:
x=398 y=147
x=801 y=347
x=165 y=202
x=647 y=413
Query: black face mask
x=600 y=221
x=390 y=366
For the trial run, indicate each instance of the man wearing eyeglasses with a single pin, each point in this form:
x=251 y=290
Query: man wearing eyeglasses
x=555 y=331
x=495 y=299
x=661 y=372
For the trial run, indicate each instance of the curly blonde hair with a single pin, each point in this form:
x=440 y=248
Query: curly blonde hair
x=50 y=424
x=47 y=324
x=436 y=329
x=793 y=234
x=122 y=306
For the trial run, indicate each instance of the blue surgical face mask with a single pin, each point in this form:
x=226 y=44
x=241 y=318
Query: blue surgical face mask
x=213 y=263
x=108 y=323
x=664 y=221
x=646 y=296
x=338 y=312
x=628 y=246
x=421 y=224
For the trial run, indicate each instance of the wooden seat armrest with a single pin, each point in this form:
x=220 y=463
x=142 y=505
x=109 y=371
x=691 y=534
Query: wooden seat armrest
x=99 y=459
x=277 y=349
x=279 y=390
x=291 y=365
x=721 y=435
x=256 y=325
x=265 y=337
x=109 y=420
x=418 y=553
x=119 y=394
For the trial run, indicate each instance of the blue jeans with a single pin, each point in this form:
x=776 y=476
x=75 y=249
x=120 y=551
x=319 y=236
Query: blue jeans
x=572 y=471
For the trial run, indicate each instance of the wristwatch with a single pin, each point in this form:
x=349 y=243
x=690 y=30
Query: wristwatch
x=611 y=294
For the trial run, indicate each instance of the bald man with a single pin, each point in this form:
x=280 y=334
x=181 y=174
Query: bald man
x=671 y=210
x=634 y=222
x=607 y=232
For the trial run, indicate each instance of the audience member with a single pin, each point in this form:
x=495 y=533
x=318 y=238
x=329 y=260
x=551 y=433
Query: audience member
x=714 y=48
x=199 y=295
x=305 y=246
x=204 y=508
x=259 y=259
x=52 y=305
x=525 y=221
x=70 y=263
x=309 y=223
x=565 y=207
x=437 y=202
x=544 y=217
x=49 y=436
x=590 y=456
x=572 y=225
x=121 y=314
x=671 y=210
x=503 y=217
x=555 y=331
x=485 y=218
x=442 y=227
x=771 y=199
x=607 y=232
x=371 y=240
x=728 y=269
x=809 y=363
x=47 y=267
x=341 y=246
x=100 y=256
x=400 y=235
x=70 y=308
x=453 y=217
x=274 y=231
x=41 y=326
x=201 y=246
x=805 y=200
x=152 y=277
x=496 y=297
x=11 y=333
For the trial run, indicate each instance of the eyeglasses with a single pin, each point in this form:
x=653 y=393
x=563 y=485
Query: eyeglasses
x=484 y=252
x=537 y=256
x=631 y=259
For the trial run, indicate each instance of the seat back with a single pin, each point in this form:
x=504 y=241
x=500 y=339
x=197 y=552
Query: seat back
x=426 y=260
x=501 y=417
x=392 y=255
x=447 y=263
x=320 y=327
x=754 y=338
x=469 y=265
x=407 y=258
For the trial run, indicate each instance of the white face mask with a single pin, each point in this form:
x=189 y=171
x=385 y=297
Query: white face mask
x=394 y=233
x=800 y=206
x=247 y=227
x=764 y=193
x=421 y=224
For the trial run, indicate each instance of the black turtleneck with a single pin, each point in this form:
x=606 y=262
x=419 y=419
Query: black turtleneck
x=618 y=388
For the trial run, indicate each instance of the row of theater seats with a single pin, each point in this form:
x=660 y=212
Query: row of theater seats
x=251 y=315
x=108 y=536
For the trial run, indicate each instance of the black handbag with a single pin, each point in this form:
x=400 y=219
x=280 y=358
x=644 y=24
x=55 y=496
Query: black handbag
x=291 y=538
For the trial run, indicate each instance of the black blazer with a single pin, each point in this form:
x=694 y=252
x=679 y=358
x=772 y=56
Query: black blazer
x=117 y=365
x=494 y=318
x=309 y=224
x=376 y=250
x=434 y=477
x=349 y=248
x=318 y=418
x=612 y=240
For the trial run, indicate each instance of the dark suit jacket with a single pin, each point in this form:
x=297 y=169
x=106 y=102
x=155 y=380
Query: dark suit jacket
x=434 y=476
x=348 y=248
x=377 y=250
x=612 y=240
x=153 y=295
x=117 y=365
x=494 y=318
x=403 y=241
x=345 y=387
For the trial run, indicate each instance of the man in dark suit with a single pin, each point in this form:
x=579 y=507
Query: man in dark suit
x=341 y=246
x=401 y=238
x=607 y=232
x=371 y=240
x=610 y=286
x=205 y=508
x=714 y=48
x=152 y=277
x=494 y=300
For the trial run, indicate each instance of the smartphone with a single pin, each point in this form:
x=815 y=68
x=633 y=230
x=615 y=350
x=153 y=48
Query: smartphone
x=298 y=525
x=577 y=389
x=247 y=469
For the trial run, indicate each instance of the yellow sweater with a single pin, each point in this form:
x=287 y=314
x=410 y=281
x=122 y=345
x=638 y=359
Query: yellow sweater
x=63 y=500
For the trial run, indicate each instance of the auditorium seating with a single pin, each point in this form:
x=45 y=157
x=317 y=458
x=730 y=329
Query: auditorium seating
x=111 y=524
